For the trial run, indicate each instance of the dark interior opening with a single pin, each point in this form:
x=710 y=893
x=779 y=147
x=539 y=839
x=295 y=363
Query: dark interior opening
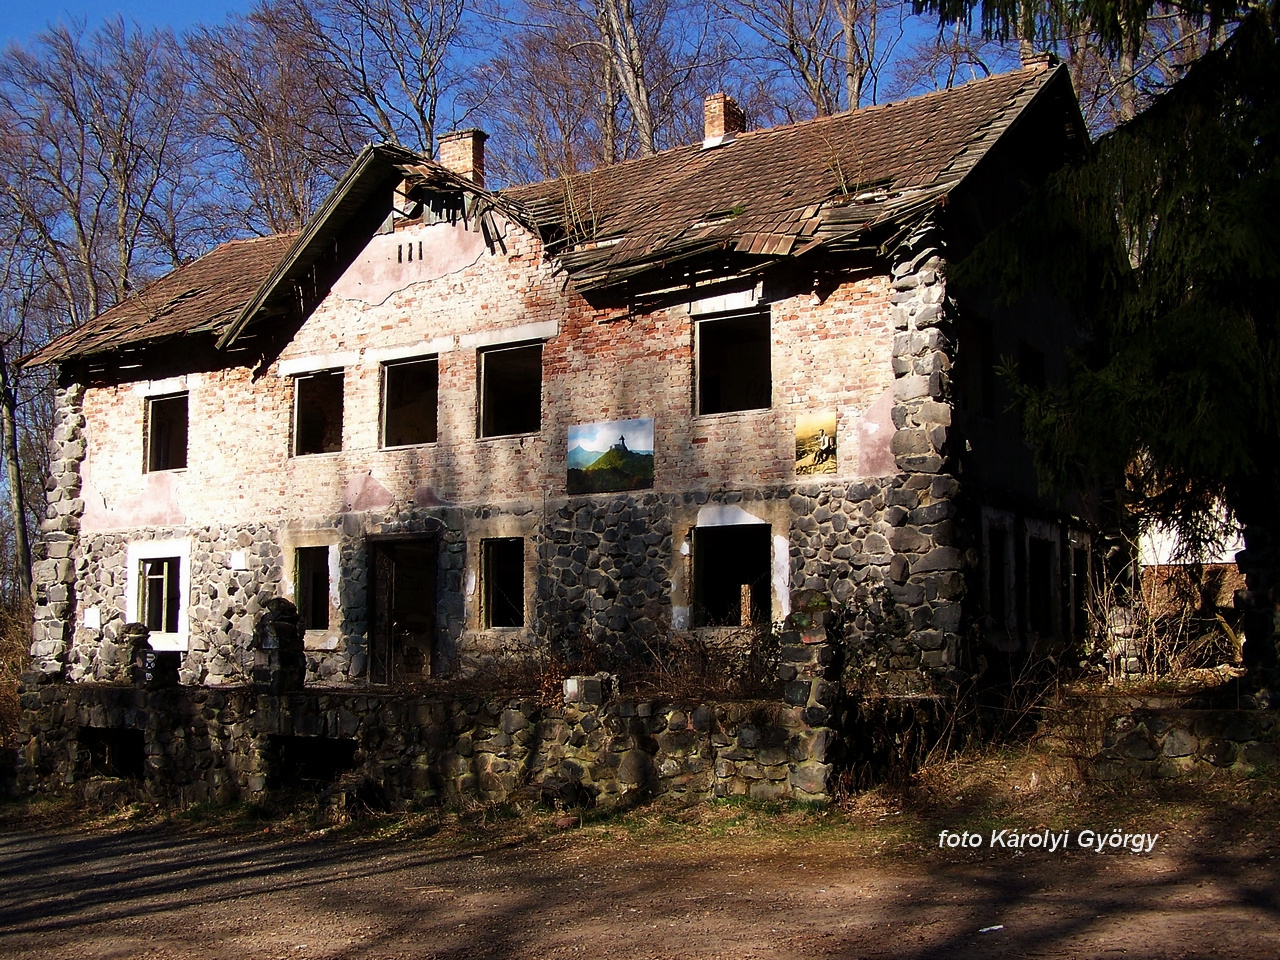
x=734 y=370
x=311 y=569
x=410 y=402
x=1080 y=592
x=731 y=575
x=503 y=576
x=511 y=390
x=167 y=433
x=1040 y=585
x=975 y=369
x=404 y=609
x=997 y=577
x=318 y=413
x=309 y=761
x=114 y=752
x=1031 y=366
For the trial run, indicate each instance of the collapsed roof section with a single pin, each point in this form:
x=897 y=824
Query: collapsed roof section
x=849 y=183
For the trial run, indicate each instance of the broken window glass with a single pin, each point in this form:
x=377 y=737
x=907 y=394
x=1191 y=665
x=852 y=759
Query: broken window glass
x=167 y=432
x=317 y=424
x=734 y=368
x=409 y=402
x=311 y=572
x=511 y=390
x=503 y=576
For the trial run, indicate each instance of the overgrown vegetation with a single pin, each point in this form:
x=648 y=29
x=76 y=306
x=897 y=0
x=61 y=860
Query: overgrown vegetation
x=14 y=639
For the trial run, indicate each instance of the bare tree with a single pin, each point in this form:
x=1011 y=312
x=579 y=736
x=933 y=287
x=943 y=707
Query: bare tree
x=271 y=118
x=394 y=62
x=94 y=155
x=829 y=51
x=950 y=57
x=98 y=193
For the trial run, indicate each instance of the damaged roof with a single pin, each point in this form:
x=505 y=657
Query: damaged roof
x=781 y=191
x=203 y=296
x=854 y=181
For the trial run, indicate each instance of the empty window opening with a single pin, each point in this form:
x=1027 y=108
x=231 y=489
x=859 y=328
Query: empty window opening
x=167 y=433
x=309 y=761
x=317 y=421
x=409 y=402
x=511 y=390
x=732 y=586
x=998 y=577
x=404 y=609
x=503 y=577
x=1031 y=366
x=734 y=369
x=976 y=378
x=113 y=752
x=311 y=572
x=160 y=593
x=1040 y=592
x=1080 y=592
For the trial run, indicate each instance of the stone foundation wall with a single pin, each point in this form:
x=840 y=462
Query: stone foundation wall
x=1147 y=737
x=608 y=572
x=1175 y=743
x=203 y=744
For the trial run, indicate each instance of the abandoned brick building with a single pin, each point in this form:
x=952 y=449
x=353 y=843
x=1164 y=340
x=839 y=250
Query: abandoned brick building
x=451 y=423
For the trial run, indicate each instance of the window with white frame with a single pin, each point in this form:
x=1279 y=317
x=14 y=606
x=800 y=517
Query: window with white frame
x=317 y=412
x=159 y=590
x=166 y=432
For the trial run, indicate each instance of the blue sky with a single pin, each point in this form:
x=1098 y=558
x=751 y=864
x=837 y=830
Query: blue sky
x=604 y=434
x=20 y=19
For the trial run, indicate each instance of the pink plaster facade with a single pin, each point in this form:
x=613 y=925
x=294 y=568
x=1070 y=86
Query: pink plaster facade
x=455 y=297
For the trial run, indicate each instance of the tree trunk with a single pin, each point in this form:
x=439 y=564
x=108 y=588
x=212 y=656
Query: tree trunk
x=13 y=471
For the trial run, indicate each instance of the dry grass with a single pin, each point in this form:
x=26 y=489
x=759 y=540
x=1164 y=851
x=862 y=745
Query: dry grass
x=14 y=637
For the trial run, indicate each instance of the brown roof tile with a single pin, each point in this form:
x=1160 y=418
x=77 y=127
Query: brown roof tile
x=201 y=296
x=770 y=191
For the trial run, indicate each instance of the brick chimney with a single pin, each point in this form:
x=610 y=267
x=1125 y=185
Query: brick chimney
x=722 y=119
x=1030 y=59
x=462 y=151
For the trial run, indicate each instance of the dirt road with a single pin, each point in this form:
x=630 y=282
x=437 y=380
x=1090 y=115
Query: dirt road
x=165 y=891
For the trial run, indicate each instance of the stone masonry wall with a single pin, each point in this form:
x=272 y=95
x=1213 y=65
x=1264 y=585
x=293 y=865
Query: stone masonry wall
x=56 y=562
x=1130 y=736
x=221 y=744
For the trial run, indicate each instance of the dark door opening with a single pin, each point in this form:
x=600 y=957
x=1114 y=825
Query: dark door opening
x=114 y=752
x=404 y=609
x=731 y=575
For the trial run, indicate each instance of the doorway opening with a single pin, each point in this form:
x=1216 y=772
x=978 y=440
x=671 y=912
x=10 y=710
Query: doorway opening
x=402 y=642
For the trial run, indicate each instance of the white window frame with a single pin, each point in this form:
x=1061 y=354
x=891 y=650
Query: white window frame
x=141 y=550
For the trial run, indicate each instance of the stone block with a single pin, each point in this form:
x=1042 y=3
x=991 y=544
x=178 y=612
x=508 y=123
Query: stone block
x=1179 y=743
x=811 y=777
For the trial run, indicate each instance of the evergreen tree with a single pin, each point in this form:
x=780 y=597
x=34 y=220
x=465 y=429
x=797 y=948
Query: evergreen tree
x=1162 y=237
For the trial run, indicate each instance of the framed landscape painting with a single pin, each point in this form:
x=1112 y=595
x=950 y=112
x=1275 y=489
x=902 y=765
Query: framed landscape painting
x=610 y=455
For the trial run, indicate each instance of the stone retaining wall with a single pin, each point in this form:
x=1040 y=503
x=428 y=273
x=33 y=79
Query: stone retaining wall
x=1131 y=736
x=201 y=744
